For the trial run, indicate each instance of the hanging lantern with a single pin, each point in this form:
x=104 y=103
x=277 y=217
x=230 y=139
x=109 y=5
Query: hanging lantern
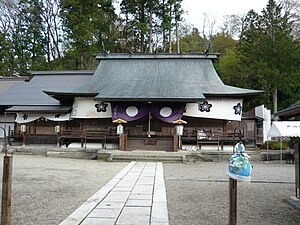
x=120 y=129
x=23 y=128
x=57 y=129
x=179 y=126
x=179 y=130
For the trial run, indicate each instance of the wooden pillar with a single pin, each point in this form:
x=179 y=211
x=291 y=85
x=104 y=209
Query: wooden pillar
x=255 y=132
x=225 y=128
x=34 y=127
x=8 y=135
x=6 y=190
x=24 y=138
x=123 y=142
x=176 y=143
x=232 y=220
x=81 y=124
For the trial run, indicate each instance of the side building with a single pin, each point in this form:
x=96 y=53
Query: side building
x=32 y=115
x=8 y=122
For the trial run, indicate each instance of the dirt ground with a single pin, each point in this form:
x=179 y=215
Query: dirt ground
x=46 y=190
x=198 y=193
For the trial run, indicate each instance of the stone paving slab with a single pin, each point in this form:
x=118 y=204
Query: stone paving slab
x=110 y=205
x=139 y=202
x=135 y=196
x=105 y=213
x=78 y=215
x=140 y=196
x=134 y=216
x=97 y=221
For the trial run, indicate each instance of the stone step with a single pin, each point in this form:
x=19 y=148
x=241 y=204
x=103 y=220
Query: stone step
x=147 y=157
x=73 y=154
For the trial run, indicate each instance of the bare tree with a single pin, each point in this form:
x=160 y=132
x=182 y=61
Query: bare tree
x=8 y=11
x=52 y=29
x=292 y=9
x=8 y=21
x=208 y=26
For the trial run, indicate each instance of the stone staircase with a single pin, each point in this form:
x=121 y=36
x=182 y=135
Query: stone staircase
x=135 y=155
x=147 y=156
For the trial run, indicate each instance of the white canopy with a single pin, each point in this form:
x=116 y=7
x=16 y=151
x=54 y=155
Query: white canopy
x=285 y=129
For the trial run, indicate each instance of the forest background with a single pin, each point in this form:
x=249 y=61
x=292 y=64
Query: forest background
x=259 y=50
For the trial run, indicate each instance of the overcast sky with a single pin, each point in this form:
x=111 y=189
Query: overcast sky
x=216 y=9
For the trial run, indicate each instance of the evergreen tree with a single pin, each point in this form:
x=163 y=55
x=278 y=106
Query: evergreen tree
x=222 y=41
x=192 y=43
x=5 y=55
x=267 y=55
x=150 y=23
x=28 y=39
x=87 y=26
x=138 y=22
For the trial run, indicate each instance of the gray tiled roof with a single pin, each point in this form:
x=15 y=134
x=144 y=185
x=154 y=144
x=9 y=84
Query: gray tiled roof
x=7 y=82
x=52 y=108
x=290 y=110
x=31 y=93
x=128 y=77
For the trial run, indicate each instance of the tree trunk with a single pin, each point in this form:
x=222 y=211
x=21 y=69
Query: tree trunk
x=142 y=20
x=177 y=33
x=150 y=32
x=170 y=31
x=275 y=103
x=164 y=27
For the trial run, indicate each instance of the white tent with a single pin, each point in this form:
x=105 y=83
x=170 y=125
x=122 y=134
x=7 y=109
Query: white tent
x=284 y=129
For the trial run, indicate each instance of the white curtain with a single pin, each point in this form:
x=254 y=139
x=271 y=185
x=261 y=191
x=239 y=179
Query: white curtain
x=225 y=109
x=84 y=107
x=57 y=117
x=26 y=117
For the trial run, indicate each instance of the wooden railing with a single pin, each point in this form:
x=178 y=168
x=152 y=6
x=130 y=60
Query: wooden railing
x=202 y=136
x=97 y=134
x=66 y=137
x=14 y=135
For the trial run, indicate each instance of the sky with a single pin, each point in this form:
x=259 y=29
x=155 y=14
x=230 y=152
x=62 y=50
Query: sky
x=216 y=9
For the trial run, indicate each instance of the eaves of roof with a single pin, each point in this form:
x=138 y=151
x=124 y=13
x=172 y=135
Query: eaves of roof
x=168 y=56
x=53 y=108
x=63 y=72
x=290 y=111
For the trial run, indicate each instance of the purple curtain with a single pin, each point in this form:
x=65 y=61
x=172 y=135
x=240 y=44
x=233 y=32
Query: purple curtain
x=128 y=112
x=167 y=112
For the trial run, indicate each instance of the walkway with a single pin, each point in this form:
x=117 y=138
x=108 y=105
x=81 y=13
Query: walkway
x=136 y=195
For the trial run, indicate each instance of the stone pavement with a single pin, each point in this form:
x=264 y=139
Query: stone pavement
x=136 y=195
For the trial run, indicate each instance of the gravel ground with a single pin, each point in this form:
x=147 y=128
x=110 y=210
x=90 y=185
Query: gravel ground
x=46 y=190
x=197 y=193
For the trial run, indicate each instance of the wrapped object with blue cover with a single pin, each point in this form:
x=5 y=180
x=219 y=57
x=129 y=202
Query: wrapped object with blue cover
x=239 y=166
